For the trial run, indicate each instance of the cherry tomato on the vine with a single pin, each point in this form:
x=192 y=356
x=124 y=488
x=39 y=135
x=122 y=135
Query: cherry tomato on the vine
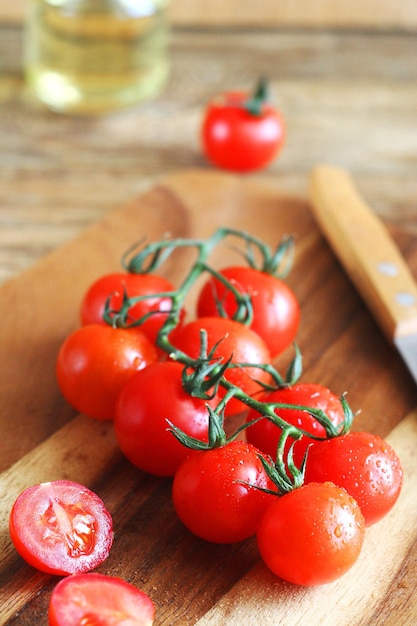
x=95 y=362
x=312 y=535
x=233 y=340
x=265 y=435
x=218 y=494
x=276 y=311
x=365 y=465
x=99 y=599
x=150 y=398
x=61 y=527
x=113 y=287
x=242 y=132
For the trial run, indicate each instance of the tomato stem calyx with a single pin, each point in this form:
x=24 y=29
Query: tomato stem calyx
x=201 y=377
x=216 y=433
x=282 y=471
x=260 y=96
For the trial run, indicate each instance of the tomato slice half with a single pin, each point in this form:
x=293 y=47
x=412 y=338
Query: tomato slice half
x=61 y=527
x=98 y=600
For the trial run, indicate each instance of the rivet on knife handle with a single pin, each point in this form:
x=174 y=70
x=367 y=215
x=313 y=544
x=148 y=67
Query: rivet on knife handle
x=367 y=252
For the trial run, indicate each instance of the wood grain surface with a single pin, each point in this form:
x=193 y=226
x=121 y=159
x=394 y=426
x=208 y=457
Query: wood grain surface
x=349 y=99
x=190 y=581
x=373 y=14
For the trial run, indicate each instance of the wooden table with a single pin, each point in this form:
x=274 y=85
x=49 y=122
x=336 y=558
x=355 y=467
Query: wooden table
x=349 y=96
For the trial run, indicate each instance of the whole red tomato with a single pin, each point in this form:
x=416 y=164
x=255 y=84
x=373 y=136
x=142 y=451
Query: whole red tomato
x=218 y=494
x=312 y=535
x=276 y=311
x=242 y=132
x=365 y=465
x=229 y=339
x=61 y=527
x=265 y=435
x=95 y=362
x=113 y=287
x=147 y=401
x=99 y=599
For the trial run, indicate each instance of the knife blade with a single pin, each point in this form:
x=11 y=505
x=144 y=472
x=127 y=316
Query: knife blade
x=370 y=257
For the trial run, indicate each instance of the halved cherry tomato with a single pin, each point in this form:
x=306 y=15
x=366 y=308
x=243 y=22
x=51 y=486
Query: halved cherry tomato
x=311 y=535
x=230 y=339
x=95 y=362
x=276 y=311
x=242 y=132
x=365 y=465
x=265 y=434
x=218 y=494
x=112 y=287
x=150 y=398
x=99 y=600
x=61 y=527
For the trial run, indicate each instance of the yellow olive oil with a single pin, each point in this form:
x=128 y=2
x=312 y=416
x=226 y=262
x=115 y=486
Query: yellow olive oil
x=95 y=56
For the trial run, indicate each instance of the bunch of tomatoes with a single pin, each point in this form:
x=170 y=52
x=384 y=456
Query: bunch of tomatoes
x=249 y=451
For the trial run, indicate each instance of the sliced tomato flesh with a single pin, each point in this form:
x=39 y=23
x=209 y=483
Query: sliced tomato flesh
x=69 y=524
x=98 y=600
x=61 y=527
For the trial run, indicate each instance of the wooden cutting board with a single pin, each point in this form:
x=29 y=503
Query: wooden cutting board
x=190 y=581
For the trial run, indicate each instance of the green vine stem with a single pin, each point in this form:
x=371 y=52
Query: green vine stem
x=151 y=256
x=203 y=376
x=244 y=308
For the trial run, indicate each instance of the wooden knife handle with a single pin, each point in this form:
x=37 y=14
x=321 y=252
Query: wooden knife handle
x=367 y=252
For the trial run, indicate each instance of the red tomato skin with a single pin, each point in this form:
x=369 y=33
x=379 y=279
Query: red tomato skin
x=237 y=340
x=114 y=285
x=312 y=535
x=276 y=311
x=150 y=397
x=363 y=464
x=265 y=435
x=235 y=139
x=210 y=500
x=44 y=523
x=95 y=362
x=95 y=599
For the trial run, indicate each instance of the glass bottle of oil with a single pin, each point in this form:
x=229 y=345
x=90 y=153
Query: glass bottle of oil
x=96 y=56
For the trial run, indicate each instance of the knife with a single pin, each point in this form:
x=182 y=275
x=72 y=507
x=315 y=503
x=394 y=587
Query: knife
x=369 y=256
